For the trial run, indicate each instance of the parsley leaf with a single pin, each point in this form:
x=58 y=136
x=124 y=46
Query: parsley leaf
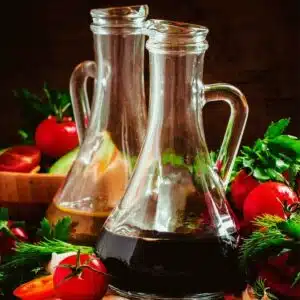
x=60 y=231
x=46 y=230
x=277 y=128
x=275 y=157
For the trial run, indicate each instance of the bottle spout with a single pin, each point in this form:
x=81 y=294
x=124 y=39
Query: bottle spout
x=132 y=16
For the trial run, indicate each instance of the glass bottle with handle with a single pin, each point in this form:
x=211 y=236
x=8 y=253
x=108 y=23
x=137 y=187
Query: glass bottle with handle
x=116 y=120
x=173 y=234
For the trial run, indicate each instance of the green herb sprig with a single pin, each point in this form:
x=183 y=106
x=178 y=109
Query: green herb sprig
x=260 y=290
x=29 y=260
x=271 y=156
x=36 y=254
x=273 y=237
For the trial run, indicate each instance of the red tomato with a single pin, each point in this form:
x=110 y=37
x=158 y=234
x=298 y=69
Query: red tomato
x=37 y=289
x=20 y=159
x=241 y=186
x=279 y=284
x=56 y=138
x=268 y=198
x=88 y=285
x=280 y=263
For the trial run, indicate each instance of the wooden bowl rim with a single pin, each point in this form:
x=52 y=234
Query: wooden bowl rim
x=35 y=175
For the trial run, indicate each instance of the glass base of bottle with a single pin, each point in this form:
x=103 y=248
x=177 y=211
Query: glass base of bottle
x=134 y=295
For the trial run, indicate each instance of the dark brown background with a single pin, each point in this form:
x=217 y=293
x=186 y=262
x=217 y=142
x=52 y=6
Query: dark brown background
x=254 y=44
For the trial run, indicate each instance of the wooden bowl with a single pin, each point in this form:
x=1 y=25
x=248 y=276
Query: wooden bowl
x=27 y=195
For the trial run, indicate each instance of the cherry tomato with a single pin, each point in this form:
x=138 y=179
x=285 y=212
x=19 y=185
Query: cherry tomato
x=87 y=285
x=268 y=198
x=37 y=289
x=20 y=159
x=55 y=138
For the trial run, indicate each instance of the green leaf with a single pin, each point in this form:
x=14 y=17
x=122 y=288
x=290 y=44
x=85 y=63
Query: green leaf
x=62 y=229
x=280 y=164
x=260 y=174
x=287 y=144
x=172 y=159
x=290 y=228
x=274 y=175
x=248 y=163
x=259 y=145
x=45 y=230
x=247 y=150
x=4 y=214
x=277 y=128
x=262 y=244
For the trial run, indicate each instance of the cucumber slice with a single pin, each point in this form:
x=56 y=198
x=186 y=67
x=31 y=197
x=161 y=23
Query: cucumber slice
x=63 y=165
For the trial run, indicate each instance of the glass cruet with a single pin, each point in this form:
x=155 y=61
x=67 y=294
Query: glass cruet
x=173 y=234
x=117 y=121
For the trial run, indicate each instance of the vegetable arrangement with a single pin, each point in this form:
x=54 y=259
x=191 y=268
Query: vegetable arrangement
x=49 y=135
x=25 y=267
x=263 y=192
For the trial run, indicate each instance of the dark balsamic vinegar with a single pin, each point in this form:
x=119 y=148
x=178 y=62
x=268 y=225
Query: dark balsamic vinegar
x=170 y=264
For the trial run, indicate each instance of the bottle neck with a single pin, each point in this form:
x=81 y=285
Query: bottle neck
x=176 y=93
x=119 y=98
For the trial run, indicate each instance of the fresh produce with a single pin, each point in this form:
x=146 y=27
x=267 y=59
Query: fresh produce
x=273 y=251
x=105 y=155
x=20 y=159
x=37 y=289
x=63 y=165
x=276 y=157
x=10 y=234
x=81 y=277
x=268 y=198
x=55 y=137
x=50 y=125
x=31 y=259
x=278 y=283
x=241 y=186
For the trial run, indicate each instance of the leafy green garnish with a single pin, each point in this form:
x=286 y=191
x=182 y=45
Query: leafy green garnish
x=60 y=231
x=29 y=259
x=271 y=156
x=169 y=157
x=276 y=129
x=274 y=236
x=35 y=254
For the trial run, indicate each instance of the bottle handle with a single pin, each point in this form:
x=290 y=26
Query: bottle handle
x=235 y=127
x=79 y=95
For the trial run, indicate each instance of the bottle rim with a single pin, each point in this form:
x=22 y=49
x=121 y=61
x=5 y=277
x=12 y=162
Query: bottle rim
x=120 y=16
x=174 y=34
